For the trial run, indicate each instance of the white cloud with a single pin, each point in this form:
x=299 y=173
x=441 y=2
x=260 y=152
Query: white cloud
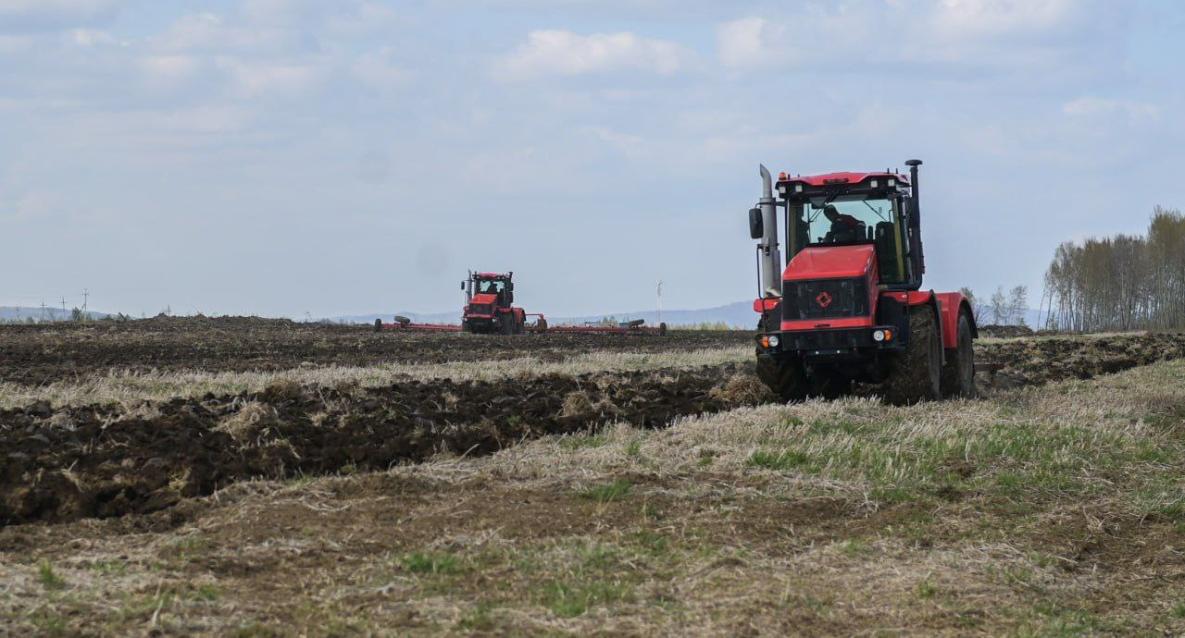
x=748 y=41
x=967 y=34
x=170 y=67
x=993 y=18
x=260 y=78
x=34 y=15
x=377 y=70
x=215 y=33
x=1091 y=106
x=566 y=53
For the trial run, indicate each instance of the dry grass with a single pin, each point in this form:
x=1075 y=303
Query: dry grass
x=131 y=389
x=1047 y=511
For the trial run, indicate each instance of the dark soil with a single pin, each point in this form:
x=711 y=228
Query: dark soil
x=1005 y=332
x=96 y=461
x=1044 y=360
x=104 y=461
x=38 y=354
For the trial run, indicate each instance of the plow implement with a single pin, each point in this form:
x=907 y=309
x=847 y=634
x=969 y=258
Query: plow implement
x=637 y=327
x=489 y=309
x=539 y=326
x=405 y=324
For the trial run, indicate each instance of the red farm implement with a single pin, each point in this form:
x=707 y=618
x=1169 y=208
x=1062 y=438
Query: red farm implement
x=489 y=309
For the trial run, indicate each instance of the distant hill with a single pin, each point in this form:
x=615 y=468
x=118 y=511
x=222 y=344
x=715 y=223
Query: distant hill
x=23 y=313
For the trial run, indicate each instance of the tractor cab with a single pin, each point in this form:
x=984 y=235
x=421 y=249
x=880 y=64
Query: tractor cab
x=489 y=289
x=851 y=209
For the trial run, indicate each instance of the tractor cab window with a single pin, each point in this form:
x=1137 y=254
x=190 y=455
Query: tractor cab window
x=823 y=221
x=492 y=287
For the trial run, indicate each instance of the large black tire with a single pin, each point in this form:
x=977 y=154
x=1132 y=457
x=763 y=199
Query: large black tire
x=958 y=374
x=829 y=385
x=507 y=324
x=786 y=378
x=915 y=374
x=378 y=325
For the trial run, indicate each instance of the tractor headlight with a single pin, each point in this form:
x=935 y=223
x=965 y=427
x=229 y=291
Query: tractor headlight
x=774 y=341
x=798 y=188
x=878 y=335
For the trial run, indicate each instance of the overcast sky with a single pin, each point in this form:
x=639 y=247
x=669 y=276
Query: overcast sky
x=293 y=156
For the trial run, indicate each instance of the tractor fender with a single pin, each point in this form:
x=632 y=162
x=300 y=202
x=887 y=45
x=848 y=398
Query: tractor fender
x=951 y=305
x=916 y=298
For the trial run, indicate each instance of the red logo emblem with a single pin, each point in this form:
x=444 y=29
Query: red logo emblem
x=823 y=299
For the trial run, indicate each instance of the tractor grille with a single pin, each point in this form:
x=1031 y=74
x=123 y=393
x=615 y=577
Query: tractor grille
x=481 y=309
x=824 y=299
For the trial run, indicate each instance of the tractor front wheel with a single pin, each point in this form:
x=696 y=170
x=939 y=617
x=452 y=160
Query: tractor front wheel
x=786 y=376
x=958 y=375
x=915 y=374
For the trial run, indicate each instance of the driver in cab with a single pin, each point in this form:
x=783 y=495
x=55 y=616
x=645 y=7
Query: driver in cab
x=844 y=227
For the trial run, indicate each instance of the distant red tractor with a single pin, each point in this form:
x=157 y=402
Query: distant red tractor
x=847 y=303
x=489 y=305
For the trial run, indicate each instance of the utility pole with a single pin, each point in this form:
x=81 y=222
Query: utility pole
x=44 y=311
x=86 y=293
x=660 y=302
x=63 y=307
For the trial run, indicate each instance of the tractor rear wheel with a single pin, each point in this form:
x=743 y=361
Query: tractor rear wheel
x=915 y=374
x=508 y=324
x=958 y=375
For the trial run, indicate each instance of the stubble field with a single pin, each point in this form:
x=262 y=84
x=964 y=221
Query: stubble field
x=244 y=476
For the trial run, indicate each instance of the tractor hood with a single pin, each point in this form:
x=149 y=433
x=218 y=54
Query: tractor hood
x=486 y=298
x=831 y=262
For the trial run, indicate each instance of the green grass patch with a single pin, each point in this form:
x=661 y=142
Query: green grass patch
x=50 y=580
x=570 y=599
x=782 y=461
x=479 y=619
x=430 y=563
x=607 y=492
x=576 y=442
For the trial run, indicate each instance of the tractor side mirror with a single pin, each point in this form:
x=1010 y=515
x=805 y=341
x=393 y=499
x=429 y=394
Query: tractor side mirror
x=462 y=285
x=756 y=226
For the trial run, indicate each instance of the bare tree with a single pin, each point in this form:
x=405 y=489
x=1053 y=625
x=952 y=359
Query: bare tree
x=999 y=306
x=1018 y=304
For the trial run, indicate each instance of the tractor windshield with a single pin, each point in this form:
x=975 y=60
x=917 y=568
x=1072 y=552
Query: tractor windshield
x=491 y=286
x=822 y=221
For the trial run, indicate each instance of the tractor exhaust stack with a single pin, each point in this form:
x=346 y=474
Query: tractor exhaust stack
x=771 y=258
x=915 y=219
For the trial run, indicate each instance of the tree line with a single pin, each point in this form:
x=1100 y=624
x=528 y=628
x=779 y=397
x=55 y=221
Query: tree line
x=1125 y=282
x=1002 y=308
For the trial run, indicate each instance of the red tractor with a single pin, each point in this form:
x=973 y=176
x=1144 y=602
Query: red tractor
x=847 y=303
x=489 y=304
